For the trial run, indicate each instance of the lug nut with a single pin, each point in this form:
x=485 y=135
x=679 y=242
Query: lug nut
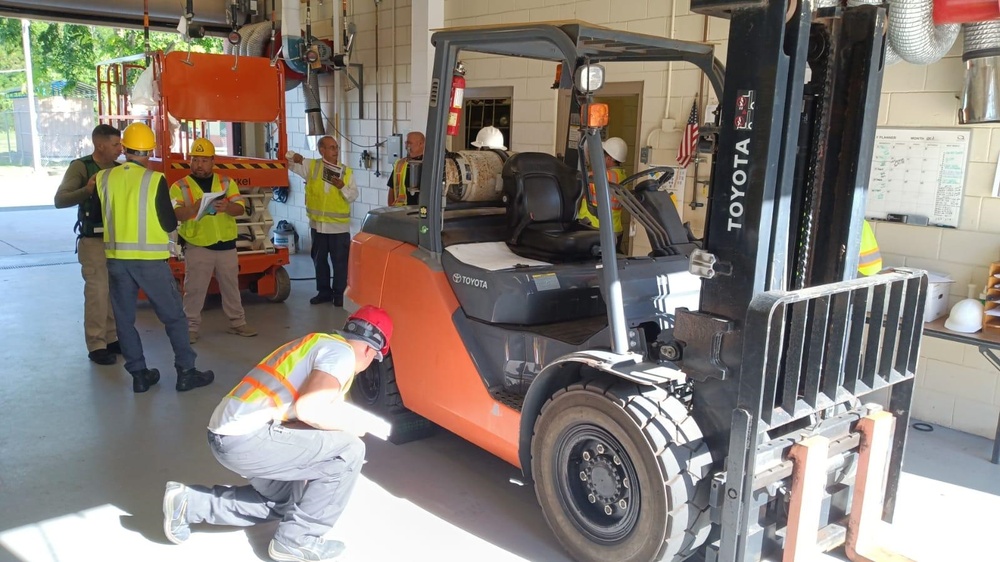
x=616 y=460
x=586 y=455
x=583 y=476
x=600 y=449
x=622 y=504
x=607 y=509
x=592 y=498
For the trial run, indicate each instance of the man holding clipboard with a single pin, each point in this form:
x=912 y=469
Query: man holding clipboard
x=330 y=190
x=207 y=204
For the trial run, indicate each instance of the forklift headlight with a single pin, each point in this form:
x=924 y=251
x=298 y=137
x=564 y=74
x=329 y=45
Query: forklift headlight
x=589 y=78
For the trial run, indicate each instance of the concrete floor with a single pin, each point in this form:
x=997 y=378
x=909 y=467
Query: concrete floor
x=83 y=460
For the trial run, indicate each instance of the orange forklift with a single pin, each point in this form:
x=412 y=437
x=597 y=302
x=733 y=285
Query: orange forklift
x=211 y=95
x=714 y=399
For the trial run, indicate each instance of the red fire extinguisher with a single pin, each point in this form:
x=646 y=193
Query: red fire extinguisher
x=457 y=95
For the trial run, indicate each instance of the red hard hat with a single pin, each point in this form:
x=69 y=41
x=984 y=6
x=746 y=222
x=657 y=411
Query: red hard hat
x=373 y=326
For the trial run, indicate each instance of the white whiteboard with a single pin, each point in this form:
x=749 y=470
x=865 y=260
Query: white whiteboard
x=918 y=172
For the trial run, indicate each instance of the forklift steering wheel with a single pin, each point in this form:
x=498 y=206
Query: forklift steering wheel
x=651 y=184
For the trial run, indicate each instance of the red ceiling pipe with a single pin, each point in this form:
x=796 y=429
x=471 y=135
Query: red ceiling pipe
x=965 y=11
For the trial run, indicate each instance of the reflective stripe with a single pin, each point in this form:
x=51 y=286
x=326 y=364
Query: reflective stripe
x=109 y=225
x=399 y=176
x=269 y=379
x=331 y=215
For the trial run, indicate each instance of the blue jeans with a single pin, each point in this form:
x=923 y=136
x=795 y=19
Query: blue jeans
x=126 y=277
x=300 y=476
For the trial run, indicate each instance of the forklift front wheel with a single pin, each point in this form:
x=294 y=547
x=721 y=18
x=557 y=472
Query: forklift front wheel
x=282 y=284
x=375 y=390
x=604 y=490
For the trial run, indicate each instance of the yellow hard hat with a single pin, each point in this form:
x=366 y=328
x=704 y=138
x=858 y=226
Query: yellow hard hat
x=138 y=137
x=203 y=147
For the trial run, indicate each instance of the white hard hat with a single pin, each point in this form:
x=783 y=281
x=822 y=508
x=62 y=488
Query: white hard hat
x=966 y=316
x=489 y=137
x=616 y=148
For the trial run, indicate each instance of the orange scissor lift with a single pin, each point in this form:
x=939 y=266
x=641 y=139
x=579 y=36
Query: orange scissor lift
x=196 y=90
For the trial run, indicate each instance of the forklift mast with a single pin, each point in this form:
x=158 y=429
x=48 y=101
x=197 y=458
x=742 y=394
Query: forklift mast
x=784 y=332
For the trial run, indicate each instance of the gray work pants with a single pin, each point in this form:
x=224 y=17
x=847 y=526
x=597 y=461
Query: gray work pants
x=155 y=279
x=302 y=477
x=98 y=318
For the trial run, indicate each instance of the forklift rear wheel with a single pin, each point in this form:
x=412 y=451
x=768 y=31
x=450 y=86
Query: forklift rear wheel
x=283 y=285
x=620 y=472
x=375 y=390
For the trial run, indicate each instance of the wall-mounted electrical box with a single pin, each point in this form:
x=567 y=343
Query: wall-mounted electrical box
x=394 y=147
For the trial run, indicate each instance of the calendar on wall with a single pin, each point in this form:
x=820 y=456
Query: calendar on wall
x=918 y=172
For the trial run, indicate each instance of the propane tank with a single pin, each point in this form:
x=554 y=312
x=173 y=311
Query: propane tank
x=475 y=175
x=457 y=97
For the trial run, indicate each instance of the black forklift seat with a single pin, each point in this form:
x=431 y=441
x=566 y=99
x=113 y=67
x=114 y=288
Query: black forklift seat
x=542 y=195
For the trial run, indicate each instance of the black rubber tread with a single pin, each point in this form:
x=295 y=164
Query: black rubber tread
x=683 y=459
x=388 y=401
x=283 y=285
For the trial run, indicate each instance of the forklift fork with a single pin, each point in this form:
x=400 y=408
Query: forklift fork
x=805 y=540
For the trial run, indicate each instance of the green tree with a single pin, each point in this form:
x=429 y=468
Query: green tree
x=70 y=52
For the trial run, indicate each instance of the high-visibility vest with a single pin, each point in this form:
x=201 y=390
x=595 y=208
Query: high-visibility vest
x=210 y=229
x=870 y=261
x=267 y=385
x=399 y=182
x=131 y=228
x=323 y=205
x=589 y=201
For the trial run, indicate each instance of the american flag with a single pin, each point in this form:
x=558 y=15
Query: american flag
x=689 y=140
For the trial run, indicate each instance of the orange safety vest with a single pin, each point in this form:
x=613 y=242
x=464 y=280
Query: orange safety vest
x=614 y=175
x=268 y=381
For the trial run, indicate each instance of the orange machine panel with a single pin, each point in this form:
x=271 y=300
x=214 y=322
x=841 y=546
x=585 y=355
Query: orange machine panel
x=435 y=374
x=251 y=93
x=248 y=172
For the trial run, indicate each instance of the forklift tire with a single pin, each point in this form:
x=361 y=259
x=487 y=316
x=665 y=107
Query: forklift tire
x=375 y=390
x=283 y=285
x=621 y=472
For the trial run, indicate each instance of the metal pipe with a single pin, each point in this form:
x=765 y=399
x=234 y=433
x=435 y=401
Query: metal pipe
x=913 y=35
x=609 y=258
x=981 y=94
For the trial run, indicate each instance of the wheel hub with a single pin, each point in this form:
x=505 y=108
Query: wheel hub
x=597 y=480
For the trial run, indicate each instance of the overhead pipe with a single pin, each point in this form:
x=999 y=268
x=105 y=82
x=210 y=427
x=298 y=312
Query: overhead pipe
x=913 y=35
x=981 y=94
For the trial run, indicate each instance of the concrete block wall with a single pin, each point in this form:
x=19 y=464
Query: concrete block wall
x=340 y=102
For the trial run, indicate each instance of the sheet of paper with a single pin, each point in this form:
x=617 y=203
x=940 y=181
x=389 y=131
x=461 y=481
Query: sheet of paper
x=206 y=202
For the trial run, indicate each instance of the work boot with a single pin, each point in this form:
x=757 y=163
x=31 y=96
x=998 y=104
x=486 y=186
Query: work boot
x=115 y=347
x=192 y=337
x=338 y=302
x=244 y=330
x=318 y=550
x=193 y=378
x=142 y=380
x=102 y=357
x=321 y=298
x=175 y=525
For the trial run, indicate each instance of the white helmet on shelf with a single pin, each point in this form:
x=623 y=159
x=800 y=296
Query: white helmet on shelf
x=966 y=316
x=616 y=148
x=489 y=137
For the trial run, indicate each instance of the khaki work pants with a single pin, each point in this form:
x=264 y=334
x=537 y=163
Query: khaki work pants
x=98 y=317
x=200 y=263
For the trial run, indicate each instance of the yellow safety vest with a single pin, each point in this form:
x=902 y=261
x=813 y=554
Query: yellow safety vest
x=615 y=175
x=870 y=261
x=323 y=205
x=267 y=383
x=210 y=229
x=399 y=182
x=131 y=228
